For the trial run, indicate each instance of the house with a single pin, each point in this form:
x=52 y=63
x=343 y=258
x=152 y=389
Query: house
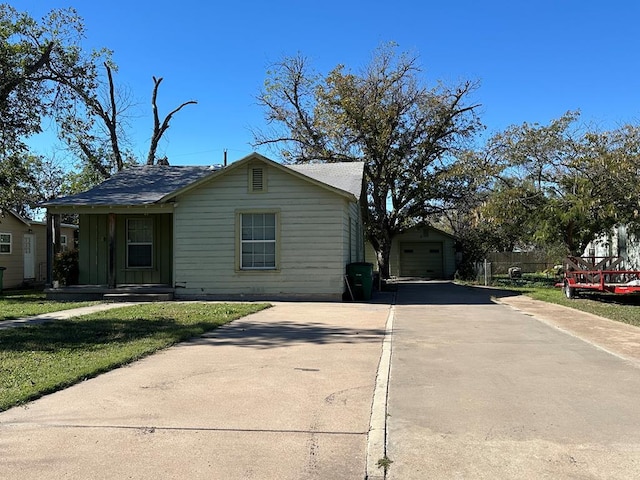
x=252 y=229
x=23 y=248
x=420 y=251
x=619 y=242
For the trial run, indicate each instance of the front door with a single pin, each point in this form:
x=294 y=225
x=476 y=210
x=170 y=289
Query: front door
x=29 y=253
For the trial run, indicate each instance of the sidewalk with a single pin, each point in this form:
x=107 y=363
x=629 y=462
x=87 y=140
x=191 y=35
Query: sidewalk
x=60 y=315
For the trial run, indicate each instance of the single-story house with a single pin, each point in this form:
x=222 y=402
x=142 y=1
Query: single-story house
x=255 y=228
x=420 y=251
x=23 y=248
x=619 y=242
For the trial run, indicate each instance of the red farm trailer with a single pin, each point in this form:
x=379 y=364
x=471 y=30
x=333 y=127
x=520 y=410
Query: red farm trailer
x=598 y=274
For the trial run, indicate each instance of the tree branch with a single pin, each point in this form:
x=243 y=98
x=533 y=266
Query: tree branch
x=158 y=130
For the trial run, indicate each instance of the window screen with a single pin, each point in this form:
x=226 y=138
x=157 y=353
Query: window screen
x=139 y=243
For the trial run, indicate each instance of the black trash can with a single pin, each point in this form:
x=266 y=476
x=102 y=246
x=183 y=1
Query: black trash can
x=2 y=269
x=360 y=276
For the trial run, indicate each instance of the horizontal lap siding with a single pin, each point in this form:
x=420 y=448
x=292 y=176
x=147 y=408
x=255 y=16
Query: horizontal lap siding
x=311 y=243
x=13 y=262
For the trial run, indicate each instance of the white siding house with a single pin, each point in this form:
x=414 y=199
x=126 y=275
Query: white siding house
x=618 y=243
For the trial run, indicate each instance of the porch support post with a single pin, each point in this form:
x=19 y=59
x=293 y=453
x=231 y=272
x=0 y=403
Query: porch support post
x=50 y=255
x=53 y=244
x=112 y=251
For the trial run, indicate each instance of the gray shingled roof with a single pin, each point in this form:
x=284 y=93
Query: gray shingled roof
x=136 y=186
x=346 y=176
x=149 y=184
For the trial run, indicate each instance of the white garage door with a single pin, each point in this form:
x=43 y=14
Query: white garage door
x=421 y=259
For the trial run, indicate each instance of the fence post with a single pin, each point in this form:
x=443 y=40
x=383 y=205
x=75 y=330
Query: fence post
x=485 y=273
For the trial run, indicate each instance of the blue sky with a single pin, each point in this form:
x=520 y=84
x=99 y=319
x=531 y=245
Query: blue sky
x=534 y=60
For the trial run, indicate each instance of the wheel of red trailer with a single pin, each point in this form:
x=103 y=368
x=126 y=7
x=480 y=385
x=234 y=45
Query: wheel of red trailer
x=569 y=291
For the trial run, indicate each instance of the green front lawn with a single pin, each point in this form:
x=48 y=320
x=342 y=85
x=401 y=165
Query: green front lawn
x=25 y=303
x=622 y=308
x=41 y=359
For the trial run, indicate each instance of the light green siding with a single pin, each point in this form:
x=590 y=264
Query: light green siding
x=313 y=243
x=353 y=234
x=93 y=250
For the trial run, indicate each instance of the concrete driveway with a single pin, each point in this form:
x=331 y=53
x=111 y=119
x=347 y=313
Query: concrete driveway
x=282 y=394
x=480 y=390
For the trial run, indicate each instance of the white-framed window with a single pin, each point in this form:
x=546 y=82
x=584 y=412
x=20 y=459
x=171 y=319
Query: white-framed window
x=139 y=243
x=258 y=241
x=5 y=243
x=64 y=246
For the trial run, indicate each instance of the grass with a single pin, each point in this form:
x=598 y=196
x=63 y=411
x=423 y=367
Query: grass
x=622 y=308
x=25 y=303
x=42 y=359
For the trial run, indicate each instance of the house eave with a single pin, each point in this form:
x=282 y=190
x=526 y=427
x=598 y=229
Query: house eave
x=118 y=209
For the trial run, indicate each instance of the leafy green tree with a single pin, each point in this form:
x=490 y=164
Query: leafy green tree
x=42 y=67
x=45 y=73
x=562 y=183
x=406 y=133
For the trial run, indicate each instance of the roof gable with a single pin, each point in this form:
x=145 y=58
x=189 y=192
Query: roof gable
x=156 y=184
x=342 y=178
x=16 y=215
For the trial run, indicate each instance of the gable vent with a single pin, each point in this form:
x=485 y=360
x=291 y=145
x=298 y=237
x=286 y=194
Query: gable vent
x=257 y=179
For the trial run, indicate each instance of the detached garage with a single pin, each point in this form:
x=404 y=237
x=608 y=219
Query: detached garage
x=424 y=252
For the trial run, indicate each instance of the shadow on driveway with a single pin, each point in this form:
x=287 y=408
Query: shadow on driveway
x=282 y=333
x=445 y=293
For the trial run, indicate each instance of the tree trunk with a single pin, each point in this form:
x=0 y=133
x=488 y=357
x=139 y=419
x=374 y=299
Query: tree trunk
x=383 y=254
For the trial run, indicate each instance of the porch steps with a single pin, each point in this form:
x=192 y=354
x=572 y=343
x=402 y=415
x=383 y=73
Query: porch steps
x=137 y=297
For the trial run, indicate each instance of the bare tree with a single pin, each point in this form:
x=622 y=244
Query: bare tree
x=158 y=128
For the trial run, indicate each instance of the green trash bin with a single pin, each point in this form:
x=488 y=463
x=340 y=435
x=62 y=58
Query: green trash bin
x=2 y=269
x=360 y=276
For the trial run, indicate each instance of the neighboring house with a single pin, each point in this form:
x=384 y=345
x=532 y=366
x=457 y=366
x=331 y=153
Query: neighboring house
x=618 y=243
x=253 y=228
x=23 y=248
x=421 y=251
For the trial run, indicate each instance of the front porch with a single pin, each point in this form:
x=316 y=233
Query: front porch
x=120 y=293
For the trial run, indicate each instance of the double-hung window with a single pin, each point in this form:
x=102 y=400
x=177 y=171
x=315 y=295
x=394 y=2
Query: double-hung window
x=139 y=243
x=258 y=241
x=5 y=243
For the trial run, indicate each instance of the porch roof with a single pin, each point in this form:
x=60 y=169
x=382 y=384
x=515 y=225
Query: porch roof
x=143 y=185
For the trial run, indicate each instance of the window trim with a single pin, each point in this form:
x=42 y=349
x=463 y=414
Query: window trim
x=151 y=243
x=239 y=242
x=10 y=243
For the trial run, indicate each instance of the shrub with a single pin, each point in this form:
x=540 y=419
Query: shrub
x=65 y=267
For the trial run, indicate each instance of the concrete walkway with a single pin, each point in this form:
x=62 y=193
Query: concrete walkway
x=282 y=394
x=481 y=390
x=61 y=315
